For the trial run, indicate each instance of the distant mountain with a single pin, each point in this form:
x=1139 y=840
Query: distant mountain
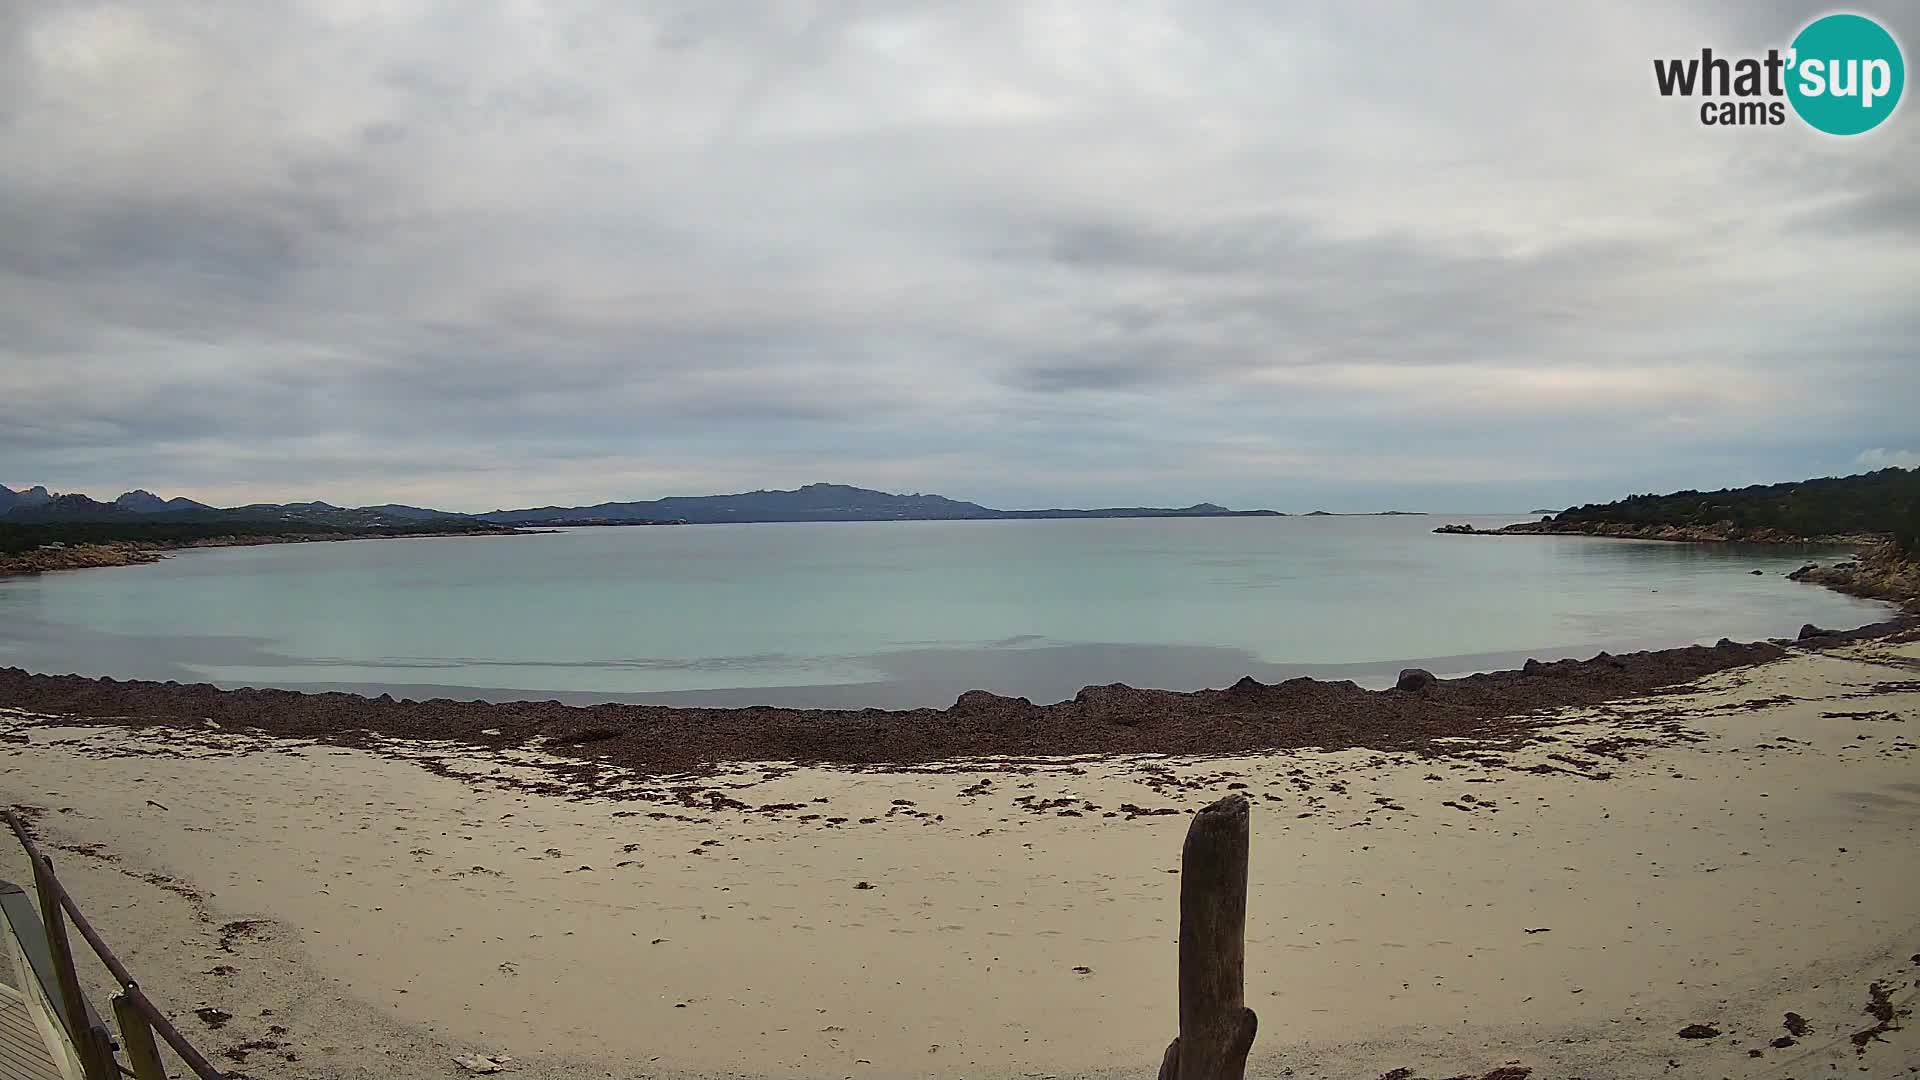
x=32 y=497
x=141 y=501
x=814 y=502
x=825 y=502
x=73 y=506
x=37 y=506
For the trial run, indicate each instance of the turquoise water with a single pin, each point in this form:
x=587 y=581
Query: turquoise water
x=895 y=613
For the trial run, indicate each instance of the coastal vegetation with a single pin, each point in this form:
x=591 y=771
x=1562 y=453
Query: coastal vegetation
x=1884 y=503
x=16 y=538
x=36 y=547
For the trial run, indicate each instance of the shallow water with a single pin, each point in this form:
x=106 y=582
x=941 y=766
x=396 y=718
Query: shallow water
x=893 y=614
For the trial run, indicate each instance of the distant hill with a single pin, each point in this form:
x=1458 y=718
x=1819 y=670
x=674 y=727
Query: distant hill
x=409 y=513
x=828 y=502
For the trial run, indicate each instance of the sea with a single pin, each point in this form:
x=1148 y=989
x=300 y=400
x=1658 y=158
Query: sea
x=899 y=614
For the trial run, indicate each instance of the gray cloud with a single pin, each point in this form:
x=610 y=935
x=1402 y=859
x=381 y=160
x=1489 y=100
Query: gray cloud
x=1029 y=254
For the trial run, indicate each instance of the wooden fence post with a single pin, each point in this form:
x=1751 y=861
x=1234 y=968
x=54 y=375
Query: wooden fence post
x=1216 y=1027
x=53 y=920
x=136 y=1037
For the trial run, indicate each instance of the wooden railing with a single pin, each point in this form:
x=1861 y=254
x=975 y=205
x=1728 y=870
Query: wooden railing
x=50 y=958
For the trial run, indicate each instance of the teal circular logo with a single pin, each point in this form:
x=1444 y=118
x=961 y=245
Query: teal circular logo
x=1845 y=74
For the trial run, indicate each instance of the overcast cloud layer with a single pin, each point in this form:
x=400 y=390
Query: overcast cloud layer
x=1031 y=252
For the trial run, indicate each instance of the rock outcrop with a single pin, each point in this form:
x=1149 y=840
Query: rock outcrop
x=1881 y=573
x=75 y=557
x=1415 y=680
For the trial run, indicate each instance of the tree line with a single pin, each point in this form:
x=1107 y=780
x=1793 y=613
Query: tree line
x=1886 y=502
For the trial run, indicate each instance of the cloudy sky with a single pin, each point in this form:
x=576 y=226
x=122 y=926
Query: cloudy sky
x=1031 y=252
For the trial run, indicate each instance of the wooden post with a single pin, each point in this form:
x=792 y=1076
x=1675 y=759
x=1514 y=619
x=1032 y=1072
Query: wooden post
x=136 y=1037
x=53 y=920
x=1216 y=1027
x=100 y=1046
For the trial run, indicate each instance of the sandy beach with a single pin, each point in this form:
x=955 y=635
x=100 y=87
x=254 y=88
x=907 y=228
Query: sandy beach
x=1724 y=855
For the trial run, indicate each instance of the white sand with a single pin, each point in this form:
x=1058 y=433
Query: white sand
x=410 y=916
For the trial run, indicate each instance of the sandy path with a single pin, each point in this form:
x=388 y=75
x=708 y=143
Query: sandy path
x=408 y=915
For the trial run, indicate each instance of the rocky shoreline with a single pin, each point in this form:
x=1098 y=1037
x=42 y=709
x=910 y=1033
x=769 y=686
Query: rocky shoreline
x=1425 y=715
x=1722 y=533
x=1877 y=570
x=1880 y=573
x=43 y=560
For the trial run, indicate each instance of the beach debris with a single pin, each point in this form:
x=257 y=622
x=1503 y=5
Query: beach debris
x=1082 y=969
x=863 y=884
x=213 y=1017
x=239 y=1053
x=238 y=930
x=483 y=1064
x=150 y=802
x=1699 y=1031
x=1879 y=1006
x=1504 y=1072
x=1540 y=930
x=1795 y=1024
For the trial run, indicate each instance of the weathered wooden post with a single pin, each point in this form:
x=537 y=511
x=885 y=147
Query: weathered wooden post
x=1216 y=1027
x=91 y=1044
x=136 y=1037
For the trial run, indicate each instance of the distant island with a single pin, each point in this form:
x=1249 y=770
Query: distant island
x=1368 y=513
x=827 y=502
